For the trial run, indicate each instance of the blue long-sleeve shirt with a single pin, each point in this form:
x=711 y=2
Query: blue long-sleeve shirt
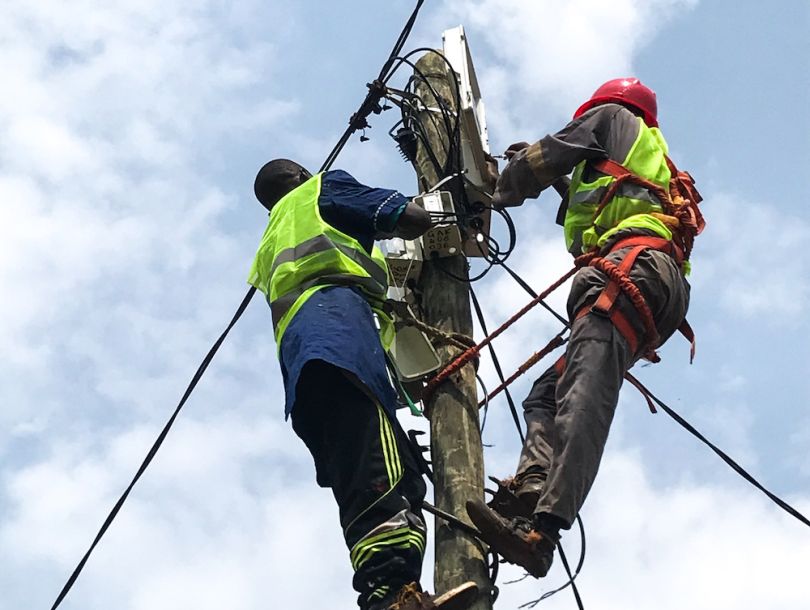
x=336 y=323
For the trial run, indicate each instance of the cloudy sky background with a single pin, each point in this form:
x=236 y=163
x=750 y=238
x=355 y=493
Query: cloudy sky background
x=130 y=133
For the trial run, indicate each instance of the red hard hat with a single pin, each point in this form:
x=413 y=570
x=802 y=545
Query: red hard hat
x=627 y=91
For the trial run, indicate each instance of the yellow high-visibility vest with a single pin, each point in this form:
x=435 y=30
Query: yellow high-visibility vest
x=300 y=253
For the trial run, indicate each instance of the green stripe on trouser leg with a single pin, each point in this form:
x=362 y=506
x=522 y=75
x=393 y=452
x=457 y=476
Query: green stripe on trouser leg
x=362 y=454
x=403 y=537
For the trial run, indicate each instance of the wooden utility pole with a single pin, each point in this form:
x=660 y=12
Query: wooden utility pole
x=456 y=451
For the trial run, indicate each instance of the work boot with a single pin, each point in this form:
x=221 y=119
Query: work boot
x=517 y=496
x=411 y=597
x=516 y=540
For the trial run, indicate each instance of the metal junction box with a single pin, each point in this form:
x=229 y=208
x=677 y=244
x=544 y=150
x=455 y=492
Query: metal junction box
x=445 y=239
x=404 y=259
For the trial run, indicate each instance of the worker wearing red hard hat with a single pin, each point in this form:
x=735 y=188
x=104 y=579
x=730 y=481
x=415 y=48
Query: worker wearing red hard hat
x=628 y=91
x=630 y=218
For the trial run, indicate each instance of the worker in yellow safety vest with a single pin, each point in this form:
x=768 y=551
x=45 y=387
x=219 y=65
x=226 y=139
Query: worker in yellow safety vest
x=325 y=282
x=627 y=205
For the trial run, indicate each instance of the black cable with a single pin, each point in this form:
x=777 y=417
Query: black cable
x=500 y=256
x=446 y=117
x=458 y=278
x=386 y=71
x=376 y=91
x=728 y=460
x=153 y=451
x=486 y=402
x=368 y=105
x=453 y=160
x=571 y=578
x=452 y=72
x=523 y=284
x=480 y=315
x=454 y=132
x=418 y=129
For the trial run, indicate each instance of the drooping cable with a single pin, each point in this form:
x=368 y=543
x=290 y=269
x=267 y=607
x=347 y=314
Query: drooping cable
x=154 y=449
x=367 y=107
x=496 y=363
x=571 y=577
x=723 y=455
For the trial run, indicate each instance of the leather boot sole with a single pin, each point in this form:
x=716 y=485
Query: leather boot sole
x=530 y=550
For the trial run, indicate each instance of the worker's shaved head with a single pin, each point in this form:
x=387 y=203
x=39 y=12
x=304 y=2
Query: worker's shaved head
x=277 y=178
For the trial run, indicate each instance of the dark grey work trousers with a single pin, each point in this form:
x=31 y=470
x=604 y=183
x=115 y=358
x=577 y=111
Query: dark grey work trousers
x=568 y=416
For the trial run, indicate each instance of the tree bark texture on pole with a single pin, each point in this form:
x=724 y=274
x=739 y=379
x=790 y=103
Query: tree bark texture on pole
x=456 y=448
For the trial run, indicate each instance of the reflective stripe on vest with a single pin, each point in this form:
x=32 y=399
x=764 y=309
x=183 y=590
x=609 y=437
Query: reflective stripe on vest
x=630 y=208
x=321 y=243
x=300 y=253
x=627 y=190
x=280 y=306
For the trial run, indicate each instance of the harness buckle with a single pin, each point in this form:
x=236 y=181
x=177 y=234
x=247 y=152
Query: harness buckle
x=600 y=311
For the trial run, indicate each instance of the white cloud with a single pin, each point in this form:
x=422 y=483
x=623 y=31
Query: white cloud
x=218 y=519
x=223 y=517
x=549 y=56
x=686 y=546
x=115 y=117
x=751 y=255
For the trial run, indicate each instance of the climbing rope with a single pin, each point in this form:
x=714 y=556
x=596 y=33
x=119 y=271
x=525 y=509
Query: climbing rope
x=556 y=342
x=473 y=352
x=439 y=336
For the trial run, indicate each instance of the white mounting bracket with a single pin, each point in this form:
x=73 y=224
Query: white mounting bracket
x=474 y=137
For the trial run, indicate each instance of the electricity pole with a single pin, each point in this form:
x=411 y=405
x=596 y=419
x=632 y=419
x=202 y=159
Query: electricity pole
x=456 y=451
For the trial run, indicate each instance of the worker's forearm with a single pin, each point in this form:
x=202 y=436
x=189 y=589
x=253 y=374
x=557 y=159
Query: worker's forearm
x=413 y=222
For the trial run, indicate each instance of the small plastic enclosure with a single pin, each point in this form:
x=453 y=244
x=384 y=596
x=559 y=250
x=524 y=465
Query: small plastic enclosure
x=412 y=355
x=404 y=259
x=443 y=240
x=474 y=137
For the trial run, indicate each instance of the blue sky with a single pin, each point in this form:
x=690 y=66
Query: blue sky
x=130 y=133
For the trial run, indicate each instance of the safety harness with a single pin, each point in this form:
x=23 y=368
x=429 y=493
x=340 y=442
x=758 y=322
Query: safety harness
x=682 y=216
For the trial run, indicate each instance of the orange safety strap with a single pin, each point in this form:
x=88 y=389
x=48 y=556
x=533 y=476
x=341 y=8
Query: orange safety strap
x=559 y=365
x=621 y=175
x=619 y=281
x=680 y=201
x=686 y=330
x=607 y=299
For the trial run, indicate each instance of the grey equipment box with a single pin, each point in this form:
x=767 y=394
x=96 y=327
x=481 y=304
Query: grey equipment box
x=412 y=355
